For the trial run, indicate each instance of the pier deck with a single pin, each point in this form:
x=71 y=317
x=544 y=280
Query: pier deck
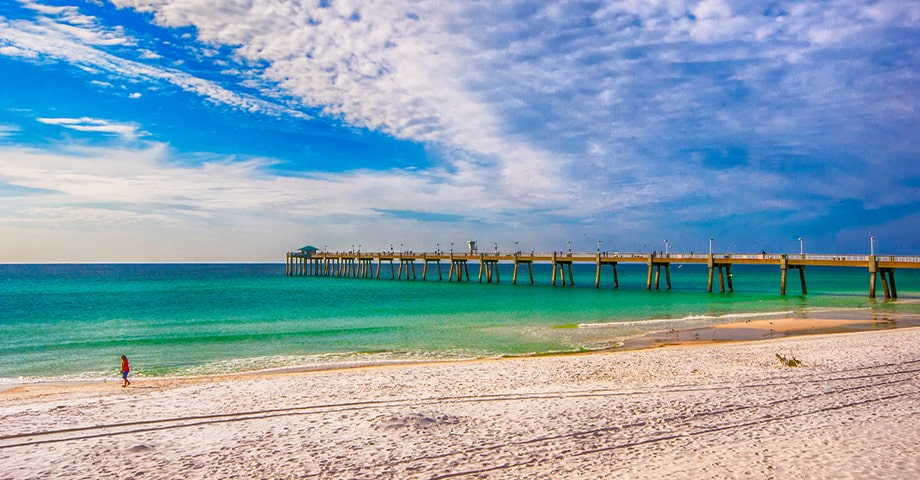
x=402 y=265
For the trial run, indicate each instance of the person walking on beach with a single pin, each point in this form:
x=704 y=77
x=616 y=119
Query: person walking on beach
x=125 y=369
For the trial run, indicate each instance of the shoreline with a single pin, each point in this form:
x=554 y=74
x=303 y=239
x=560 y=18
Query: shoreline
x=699 y=410
x=723 y=333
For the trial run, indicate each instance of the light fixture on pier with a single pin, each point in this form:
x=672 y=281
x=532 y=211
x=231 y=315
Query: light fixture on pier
x=872 y=246
x=801 y=247
x=666 y=247
x=710 y=247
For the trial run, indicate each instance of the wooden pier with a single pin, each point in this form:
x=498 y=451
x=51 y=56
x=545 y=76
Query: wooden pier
x=369 y=265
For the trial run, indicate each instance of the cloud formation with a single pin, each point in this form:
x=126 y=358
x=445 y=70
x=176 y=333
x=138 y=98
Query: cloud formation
x=627 y=119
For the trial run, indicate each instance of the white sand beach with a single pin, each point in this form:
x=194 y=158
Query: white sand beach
x=713 y=410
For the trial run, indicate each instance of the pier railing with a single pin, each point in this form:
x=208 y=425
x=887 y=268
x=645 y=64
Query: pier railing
x=360 y=264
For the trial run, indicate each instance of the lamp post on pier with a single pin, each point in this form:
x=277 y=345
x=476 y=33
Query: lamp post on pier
x=451 y=248
x=710 y=247
x=570 y=247
x=871 y=246
x=666 y=246
x=598 y=246
x=801 y=248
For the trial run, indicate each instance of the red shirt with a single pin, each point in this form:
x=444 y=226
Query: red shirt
x=124 y=365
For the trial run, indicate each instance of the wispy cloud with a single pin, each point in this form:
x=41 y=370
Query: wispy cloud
x=549 y=92
x=85 y=45
x=591 y=113
x=7 y=130
x=85 y=124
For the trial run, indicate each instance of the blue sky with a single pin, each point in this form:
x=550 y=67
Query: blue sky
x=213 y=130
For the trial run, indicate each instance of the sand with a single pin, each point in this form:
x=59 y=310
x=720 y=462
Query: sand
x=707 y=410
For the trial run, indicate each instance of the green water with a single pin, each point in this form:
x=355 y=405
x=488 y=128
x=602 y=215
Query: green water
x=74 y=321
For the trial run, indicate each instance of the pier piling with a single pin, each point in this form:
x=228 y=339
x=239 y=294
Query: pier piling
x=361 y=265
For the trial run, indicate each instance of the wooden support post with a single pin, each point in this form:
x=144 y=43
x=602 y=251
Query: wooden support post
x=667 y=274
x=802 y=279
x=440 y=278
x=514 y=272
x=728 y=274
x=450 y=272
x=651 y=266
x=530 y=271
x=784 y=266
x=721 y=279
x=873 y=267
x=555 y=266
x=616 y=281
x=399 y=272
x=894 y=289
x=482 y=265
x=571 y=276
x=597 y=273
x=425 y=268
x=885 y=284
x=711 y=266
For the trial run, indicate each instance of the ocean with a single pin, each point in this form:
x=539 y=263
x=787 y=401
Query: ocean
x=74 y=321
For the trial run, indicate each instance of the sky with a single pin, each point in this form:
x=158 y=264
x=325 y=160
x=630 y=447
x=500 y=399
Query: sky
x=238 y=130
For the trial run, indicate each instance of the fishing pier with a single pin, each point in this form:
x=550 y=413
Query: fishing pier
x=309 y=261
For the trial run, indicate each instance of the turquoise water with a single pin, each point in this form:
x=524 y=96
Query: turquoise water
x=74 y=321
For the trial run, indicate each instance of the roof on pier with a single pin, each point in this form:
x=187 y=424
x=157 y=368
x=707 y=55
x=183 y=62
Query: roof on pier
x=308 y=248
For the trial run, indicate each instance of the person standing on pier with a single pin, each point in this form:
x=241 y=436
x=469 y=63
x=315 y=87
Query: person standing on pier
x=125 y=370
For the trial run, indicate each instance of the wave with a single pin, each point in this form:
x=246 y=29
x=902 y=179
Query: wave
x=688 y=319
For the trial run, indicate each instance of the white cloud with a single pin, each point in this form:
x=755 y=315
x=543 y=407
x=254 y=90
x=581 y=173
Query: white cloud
x=83 y=47
x=85 y=124
x=8 y=130
x=614 y=109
